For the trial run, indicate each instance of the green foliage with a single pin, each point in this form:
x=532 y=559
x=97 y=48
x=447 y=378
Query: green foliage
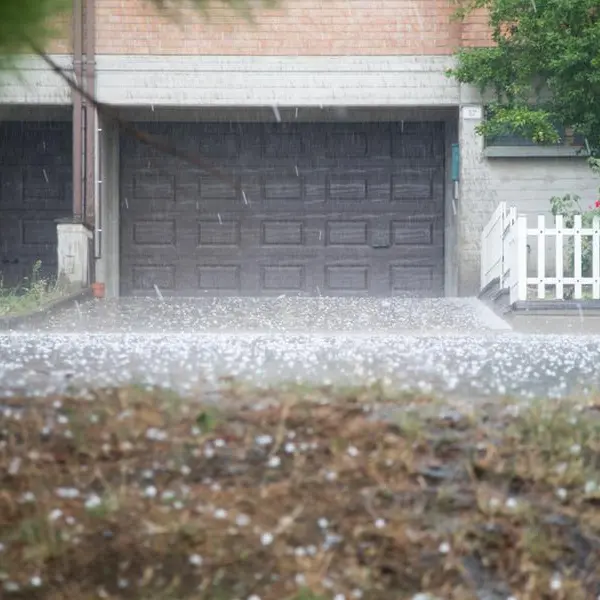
x=544 y=68
x=31 y=294
x=208 y=420
x=531 y=123
x=21 y=20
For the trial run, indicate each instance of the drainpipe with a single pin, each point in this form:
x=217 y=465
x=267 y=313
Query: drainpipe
x=90 y=209
x=77 y=112
x=90 y=112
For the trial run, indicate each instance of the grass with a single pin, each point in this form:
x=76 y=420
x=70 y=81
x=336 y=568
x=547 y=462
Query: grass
x=32 y=294
x=298 y=493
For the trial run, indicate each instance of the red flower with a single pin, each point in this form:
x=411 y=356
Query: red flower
x=597 y=203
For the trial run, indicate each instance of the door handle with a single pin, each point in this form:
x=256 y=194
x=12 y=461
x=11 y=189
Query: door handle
x=382 y=247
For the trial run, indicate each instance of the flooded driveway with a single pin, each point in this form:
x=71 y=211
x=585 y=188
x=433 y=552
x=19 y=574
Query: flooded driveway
x=455 y=346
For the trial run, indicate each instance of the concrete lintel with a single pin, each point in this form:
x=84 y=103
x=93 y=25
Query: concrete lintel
x=297 y=114
x=30 y=81
x=533 y=152
x=212 y=81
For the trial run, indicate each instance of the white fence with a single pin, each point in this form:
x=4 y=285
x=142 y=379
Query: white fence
x=506 y=256
x=492 y=245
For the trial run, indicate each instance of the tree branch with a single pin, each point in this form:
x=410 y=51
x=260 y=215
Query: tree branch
x=111 y=114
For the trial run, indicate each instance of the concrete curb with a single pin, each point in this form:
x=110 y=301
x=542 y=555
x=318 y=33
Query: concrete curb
x=10 y=323
x=489 y=316
x=560 y=307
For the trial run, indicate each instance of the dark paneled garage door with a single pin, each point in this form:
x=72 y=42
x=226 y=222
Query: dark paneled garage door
x=330 y=209
x=35 y=190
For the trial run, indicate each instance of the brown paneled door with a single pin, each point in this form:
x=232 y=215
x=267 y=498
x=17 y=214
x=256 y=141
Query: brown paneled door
x=336 y=209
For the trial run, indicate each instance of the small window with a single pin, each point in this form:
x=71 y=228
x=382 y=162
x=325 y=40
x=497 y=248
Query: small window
x=568 y=139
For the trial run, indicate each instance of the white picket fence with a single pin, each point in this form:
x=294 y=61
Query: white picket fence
x=505 y=256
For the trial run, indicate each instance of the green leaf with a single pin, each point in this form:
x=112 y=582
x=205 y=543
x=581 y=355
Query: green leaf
x=543 y=71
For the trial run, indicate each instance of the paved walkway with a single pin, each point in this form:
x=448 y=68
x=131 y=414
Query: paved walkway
x=282 y=315
x=446 y=346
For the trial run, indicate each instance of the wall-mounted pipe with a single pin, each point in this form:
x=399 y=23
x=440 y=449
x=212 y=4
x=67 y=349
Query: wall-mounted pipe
x=90 y=111
x=98 y=215
x=78 y=146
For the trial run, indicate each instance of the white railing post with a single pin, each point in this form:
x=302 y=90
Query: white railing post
x=541 y=258
x=484 y=260
x=508 y=247
x=560 y=289
x=596 y=258
x=577 y=256
x=521 y=258
x=491 y=247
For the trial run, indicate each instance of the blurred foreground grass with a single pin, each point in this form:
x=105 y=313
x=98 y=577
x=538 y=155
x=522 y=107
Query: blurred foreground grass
x=298 y=493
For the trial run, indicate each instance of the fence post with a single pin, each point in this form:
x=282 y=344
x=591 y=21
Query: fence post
x=560 y=288
x=577 y=256
x=596 y=258
x=521 y=257
x=541 y=258
x=483 y=266
x=501 y=242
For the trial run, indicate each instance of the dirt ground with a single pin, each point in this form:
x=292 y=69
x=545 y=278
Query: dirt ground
x=300 y=493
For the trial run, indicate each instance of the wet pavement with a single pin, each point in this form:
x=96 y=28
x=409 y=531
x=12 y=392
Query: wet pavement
x=279 y=315
x=455 y=347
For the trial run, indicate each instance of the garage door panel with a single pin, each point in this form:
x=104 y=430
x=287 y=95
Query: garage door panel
x=415 y=232
x=282 y=186
x=283 y=277
x=219 y=232
x=149 y=277
x=315 y=189
x=418 y=140
x=153 y=185
x=349 y=278
x=284 y=142
x=155 y=233
x=213 y=188
x=342 y=233
x=219 y=279
x=413 y=280
x=35 y=171
x=11 y=187
x=282 y=233
x=308 y=209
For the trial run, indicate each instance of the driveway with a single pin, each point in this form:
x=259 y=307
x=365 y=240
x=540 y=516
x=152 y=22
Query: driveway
x=451 y=346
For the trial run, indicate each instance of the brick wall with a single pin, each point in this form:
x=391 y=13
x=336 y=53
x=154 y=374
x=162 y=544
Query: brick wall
x=298 y=27
x=475 y=31
x=62 y=32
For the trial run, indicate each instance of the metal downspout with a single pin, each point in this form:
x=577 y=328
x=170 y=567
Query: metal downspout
x=77 y=112
x=90 y=112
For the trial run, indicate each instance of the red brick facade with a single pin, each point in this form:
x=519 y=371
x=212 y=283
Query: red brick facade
x=475 y=30
x=298 y=27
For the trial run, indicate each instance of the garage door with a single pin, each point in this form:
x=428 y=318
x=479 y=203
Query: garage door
x=35 y=190
x=309 y=209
